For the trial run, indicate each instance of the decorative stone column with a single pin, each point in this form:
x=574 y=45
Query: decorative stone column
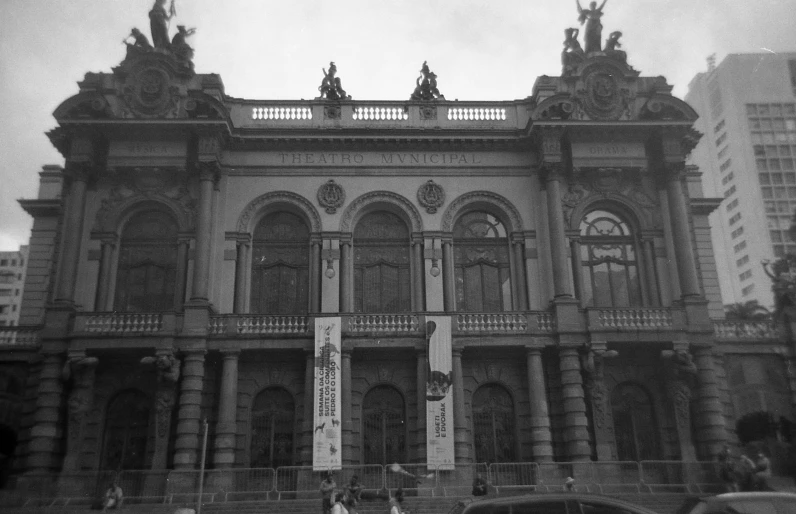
x=418 y=272
x=683 y=247
x=680 y=373
x=242 y=257
x=346 y=275
x=309 y=397
x=577 y=266
x=315 y=274
x=204 y=223
x=183 y=244
x=167 y=369
x=520 y=284
x=79 y=174
x=576 y=424
x=104 y=299
x=349 y=456
x=710 y=430
x=593 y=364
x=541 y=440
x=227 y=424
x=554 y=175
x=462 y=449
x=448 y=276
x=421 y=440
x=45 y=434
x=648 y=249
x=190 y=410
x=79 y=372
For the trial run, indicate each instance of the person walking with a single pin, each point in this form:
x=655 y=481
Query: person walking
x=762 y=472
x=480 y=487
x=327 y=490
x=339 y=506
x=396 y=502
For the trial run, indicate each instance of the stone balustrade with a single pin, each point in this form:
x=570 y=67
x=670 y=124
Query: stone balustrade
x=123 y=323
x=382 y=323
x=313 y=114
x=632 y=319
x=19 y=336
x=504 y=322
x=273 y=325
x=746 y=330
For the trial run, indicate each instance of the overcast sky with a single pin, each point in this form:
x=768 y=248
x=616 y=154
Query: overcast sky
x=263 y=49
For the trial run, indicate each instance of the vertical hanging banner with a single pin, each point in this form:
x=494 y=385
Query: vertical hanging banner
x=439 y=393
x=327 y=437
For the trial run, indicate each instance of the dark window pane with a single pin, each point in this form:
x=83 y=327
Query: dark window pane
x=382 y=281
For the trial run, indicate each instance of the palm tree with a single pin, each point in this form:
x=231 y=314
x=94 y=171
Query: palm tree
x=746 y=311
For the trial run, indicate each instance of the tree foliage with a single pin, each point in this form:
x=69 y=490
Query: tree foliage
x=746 y=311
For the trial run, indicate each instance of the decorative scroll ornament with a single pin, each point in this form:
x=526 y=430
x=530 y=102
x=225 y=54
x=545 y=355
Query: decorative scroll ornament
x=431 y=196
x=331 y=196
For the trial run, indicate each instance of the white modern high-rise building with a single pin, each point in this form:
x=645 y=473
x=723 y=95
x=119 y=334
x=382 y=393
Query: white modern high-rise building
x=12 y=280
x=747 y=108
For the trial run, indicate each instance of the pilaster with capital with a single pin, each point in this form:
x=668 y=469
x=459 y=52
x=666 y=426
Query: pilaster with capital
x=45 y=435
x=309 y=416
x=167 y=370
x=78 y=174
x=680 y=373
x=227 y=424
x=421 y=405
x=541 y=439
x=463 y=445
x=576 y=424
x=593 y=364
x=207 y=173
x=190 y=410
x=348 y=439
x=710 y=430
x=78 y=372
x=448 y=276
x=242 y=274
x=104 y=299
x=554 y=175
x=674 y=153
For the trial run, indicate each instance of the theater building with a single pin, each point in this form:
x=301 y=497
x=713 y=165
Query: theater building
x=181 y=256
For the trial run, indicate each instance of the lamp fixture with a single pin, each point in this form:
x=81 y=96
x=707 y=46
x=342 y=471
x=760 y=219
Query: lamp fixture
x=434 y=271
x=329 y=269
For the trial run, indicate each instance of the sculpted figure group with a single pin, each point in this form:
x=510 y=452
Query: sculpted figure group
x=159 y=20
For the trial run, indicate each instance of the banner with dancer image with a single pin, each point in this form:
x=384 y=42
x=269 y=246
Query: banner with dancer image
x=327 y=438
x=439 y=394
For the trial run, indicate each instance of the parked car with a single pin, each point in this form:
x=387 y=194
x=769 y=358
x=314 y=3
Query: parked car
x=742 y=503
x=551 y=503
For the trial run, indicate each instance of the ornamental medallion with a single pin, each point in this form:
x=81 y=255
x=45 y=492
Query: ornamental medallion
x=431 y=196
x=331 y=196
x=149 y=92
x=603 y=99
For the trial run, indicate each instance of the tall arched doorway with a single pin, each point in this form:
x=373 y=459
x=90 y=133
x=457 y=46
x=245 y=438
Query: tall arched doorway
x=127 y=431
x=493 y=421
x=272 y=429
x=635 y=428
x=383 y=426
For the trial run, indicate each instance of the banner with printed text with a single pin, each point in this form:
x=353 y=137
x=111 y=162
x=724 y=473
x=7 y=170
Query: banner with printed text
x=439 y=393
x=327 y=438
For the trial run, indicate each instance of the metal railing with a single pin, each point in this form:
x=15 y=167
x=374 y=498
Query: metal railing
x=302 y=482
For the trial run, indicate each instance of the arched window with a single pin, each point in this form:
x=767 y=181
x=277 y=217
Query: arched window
x=280 y=265
x=272 y=429
x=482 y=266
x=634 y=423
x=147 y=264
x=383 y=426
x=608 y=259
x=493 y=421
x=127 y=431
x=382 y=280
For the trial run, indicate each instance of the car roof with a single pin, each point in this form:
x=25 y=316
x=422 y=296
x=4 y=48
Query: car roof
x=752 y=495
x=508 y=500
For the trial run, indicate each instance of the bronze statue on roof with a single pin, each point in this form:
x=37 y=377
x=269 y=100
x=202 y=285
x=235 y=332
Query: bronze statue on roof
x=426 y=88
x=594 y=27
x=331 y=88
